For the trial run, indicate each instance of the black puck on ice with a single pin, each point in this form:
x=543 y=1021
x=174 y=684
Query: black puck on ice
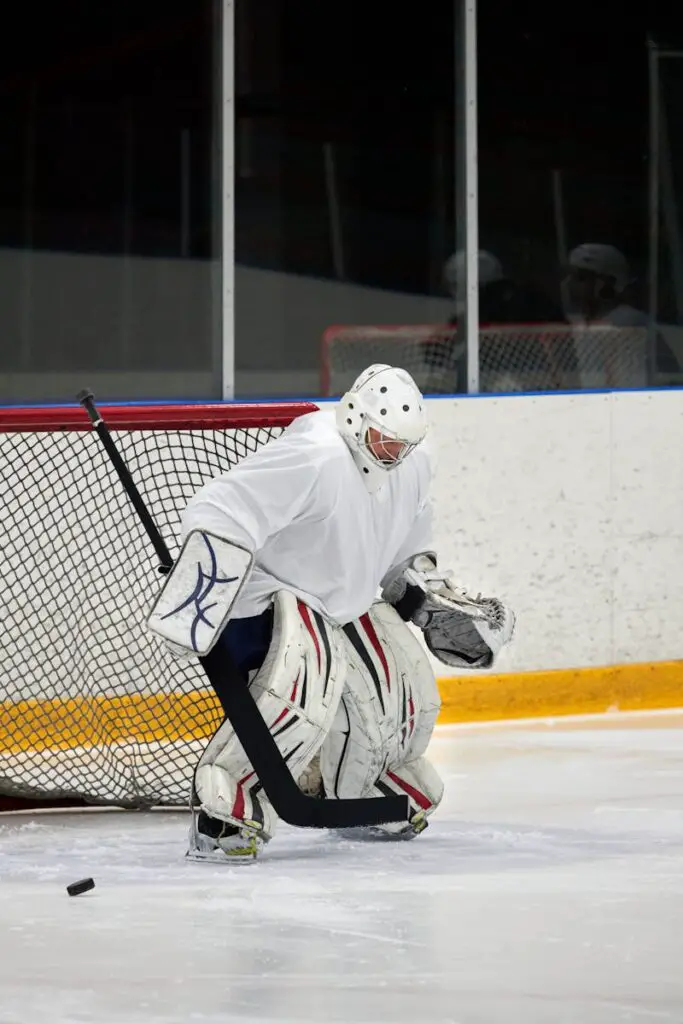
x=76 y=888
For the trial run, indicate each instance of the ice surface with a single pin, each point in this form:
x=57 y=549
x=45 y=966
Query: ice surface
x=548 y=890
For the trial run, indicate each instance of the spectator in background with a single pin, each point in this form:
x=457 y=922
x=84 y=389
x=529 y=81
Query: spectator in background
x=501 y=300
x=594 y=295
x=593 y=289
x=509 y=360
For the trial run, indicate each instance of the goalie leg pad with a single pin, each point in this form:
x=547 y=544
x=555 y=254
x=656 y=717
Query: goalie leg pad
x=297 y=690
x=388 y=709
x=420 y=781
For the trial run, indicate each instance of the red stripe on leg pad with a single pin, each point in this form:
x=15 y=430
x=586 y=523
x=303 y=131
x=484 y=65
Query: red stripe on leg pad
x=420 y=799
x=238 y=806
x=379 y=651
x=306 y=616
x=285 y=711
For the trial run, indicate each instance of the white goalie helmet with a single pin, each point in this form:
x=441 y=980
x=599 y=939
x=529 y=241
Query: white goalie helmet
x=382 y=418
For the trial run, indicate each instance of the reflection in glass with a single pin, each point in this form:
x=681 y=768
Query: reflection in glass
x=563 y=200
x=345 y=190
x=106 y=226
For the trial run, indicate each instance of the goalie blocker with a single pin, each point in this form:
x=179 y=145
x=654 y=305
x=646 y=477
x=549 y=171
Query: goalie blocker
x=194 y=605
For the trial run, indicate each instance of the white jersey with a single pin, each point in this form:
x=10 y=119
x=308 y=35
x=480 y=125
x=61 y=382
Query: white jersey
x=618 y=360
x=300 y=505
x=625 y=316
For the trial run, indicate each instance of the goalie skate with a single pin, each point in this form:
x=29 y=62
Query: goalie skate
x=219 y=842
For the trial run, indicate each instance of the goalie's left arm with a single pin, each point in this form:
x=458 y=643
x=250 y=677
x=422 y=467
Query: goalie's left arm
x=459 y=629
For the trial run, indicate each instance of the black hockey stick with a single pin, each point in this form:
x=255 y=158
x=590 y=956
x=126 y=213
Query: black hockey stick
x=288 y=801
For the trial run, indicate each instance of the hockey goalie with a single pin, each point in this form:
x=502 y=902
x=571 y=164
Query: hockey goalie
x=312 y=561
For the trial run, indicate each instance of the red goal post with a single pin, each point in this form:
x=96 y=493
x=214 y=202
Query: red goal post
x=512 y=357
x=92 y=707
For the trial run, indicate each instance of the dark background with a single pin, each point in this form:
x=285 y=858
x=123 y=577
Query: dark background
x=95 y=99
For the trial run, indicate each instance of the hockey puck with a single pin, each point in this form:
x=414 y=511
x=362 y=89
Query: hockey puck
x=76 y=888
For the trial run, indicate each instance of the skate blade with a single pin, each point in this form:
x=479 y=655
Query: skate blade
x=246 y=856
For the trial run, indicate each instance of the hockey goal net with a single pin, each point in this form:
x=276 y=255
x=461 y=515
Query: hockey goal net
x=512 y=357
x=92 y=707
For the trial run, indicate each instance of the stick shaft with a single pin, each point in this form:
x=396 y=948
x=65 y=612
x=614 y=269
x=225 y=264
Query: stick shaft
x=87 y=400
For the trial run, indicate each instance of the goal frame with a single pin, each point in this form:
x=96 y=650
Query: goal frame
x=130 y=416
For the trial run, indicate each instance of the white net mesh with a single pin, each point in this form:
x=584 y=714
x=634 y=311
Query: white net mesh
x=91 y=705
x=512 y=357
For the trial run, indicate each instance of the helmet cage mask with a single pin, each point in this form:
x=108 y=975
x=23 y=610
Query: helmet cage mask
x=387 y=460
x=390 y=404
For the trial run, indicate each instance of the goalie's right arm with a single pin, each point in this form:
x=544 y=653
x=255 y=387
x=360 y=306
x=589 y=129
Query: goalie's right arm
x=459 y=630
